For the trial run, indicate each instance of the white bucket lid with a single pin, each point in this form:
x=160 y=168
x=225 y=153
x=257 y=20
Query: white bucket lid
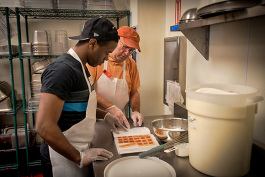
x=133 y=166
x=221 y=102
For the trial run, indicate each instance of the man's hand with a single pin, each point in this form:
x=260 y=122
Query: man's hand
x=92 y=154
x=114 y=123
x=114 y=110
x=137 y=118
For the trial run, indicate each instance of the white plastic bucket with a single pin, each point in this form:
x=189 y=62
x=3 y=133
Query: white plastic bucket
x=221 y=129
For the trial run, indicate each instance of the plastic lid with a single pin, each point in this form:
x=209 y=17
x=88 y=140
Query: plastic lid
x=134 y=166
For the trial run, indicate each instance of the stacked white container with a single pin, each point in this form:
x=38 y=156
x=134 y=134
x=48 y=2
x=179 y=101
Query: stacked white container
x=100 y=5
x=61 y=36
x=40 y=45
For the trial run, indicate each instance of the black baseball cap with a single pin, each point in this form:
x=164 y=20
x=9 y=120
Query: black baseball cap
x=98 y=28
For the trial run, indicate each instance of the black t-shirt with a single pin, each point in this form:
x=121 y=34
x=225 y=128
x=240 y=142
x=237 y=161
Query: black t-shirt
x=64 y=78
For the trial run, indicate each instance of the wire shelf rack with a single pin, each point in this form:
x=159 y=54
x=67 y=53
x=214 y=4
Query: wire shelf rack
x=70 y=14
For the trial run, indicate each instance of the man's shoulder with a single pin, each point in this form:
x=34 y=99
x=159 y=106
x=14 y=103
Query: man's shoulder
x=130 y=61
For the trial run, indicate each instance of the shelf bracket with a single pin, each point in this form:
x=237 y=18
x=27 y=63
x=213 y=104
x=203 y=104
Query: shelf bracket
x=199 y=37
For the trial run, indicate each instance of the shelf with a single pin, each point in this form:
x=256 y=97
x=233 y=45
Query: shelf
x=39 y=56
x=35 y=163
x=8 y=167
x=30 y=57
x=70 y=14
x=11 y=112
x=4 y=57
x=202 y=26
x=11 y=13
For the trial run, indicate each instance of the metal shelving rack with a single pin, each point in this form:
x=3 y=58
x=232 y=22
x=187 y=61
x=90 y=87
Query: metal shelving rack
x=16 y=105
x=58 y=14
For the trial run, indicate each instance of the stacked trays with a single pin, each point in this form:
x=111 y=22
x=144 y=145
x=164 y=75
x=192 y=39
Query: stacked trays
x=40 y=45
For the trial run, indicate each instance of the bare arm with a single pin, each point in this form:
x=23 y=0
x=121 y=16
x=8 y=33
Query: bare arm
x=136 y=116
x=50 y=109
x=135 y=100
x=101 y=114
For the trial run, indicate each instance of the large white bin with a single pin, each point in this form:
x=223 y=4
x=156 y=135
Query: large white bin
x=221 y=129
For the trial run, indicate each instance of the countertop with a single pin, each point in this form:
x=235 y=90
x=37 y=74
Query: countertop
x=103 y=138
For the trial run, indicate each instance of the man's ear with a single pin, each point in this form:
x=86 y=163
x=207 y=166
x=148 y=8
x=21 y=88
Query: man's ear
x=92 y=42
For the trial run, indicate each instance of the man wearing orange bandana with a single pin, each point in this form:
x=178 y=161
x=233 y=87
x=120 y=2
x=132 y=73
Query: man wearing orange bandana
x=117 y=80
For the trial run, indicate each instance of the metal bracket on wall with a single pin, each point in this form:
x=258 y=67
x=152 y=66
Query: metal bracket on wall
x=199 y=37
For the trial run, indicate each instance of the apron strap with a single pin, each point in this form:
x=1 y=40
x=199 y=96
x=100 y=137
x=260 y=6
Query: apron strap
x=105 y=64
x=74 y=54
x=124 y=68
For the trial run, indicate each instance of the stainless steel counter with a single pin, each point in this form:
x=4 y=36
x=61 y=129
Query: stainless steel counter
x=103 y=138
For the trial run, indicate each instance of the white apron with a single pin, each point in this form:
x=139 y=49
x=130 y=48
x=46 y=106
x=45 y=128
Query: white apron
x=79 y=135
x=113 y=89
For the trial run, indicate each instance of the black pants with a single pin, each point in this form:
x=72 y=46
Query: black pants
x=46 y=167
x=45 y=160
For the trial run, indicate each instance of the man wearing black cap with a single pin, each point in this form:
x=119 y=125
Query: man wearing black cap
x=67 y=108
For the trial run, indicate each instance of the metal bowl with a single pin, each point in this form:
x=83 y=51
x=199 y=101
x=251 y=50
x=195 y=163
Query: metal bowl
x=189 y=15
x=162 y=127
x=209 y=8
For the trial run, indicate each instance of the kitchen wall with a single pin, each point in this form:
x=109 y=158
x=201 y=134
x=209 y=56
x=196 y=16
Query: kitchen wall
x=151 y=28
